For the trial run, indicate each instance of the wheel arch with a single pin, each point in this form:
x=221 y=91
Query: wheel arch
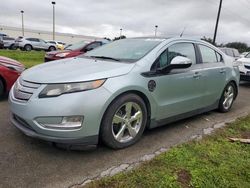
x=142 y=95
x=236 y=87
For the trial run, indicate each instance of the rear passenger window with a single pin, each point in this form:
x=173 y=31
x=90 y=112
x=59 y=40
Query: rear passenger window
x=208 y=55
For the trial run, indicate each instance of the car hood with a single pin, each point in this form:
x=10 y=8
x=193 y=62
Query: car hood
x=244 y=60
x=10 y=61
x=75 y=70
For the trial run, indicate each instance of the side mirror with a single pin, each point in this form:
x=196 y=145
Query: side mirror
x=178 y=62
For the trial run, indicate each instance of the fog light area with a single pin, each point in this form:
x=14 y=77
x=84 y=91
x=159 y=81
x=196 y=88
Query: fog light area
x=61 y=123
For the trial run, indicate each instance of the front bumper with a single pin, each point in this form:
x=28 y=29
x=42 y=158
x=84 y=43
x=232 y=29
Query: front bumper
x=90 y=104
x=27 y=130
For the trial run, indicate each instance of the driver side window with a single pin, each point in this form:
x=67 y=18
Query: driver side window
x=178 y=49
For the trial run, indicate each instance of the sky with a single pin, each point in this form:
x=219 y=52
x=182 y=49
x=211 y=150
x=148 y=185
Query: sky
x=104 y=18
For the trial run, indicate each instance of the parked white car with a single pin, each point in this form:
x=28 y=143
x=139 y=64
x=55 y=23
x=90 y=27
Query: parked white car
x=232 y=52
x=59 y=45
x=243 y=54
x=244 y=67
x=28 y=44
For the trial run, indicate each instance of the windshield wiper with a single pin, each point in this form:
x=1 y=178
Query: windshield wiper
x=104 y=57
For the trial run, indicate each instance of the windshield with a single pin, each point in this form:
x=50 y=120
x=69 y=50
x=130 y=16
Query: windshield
x=248 y=55
x=77 y=46
x=129 y=50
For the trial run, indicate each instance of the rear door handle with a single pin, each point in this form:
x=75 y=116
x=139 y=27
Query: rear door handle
x=197 y=75
x=222 y=70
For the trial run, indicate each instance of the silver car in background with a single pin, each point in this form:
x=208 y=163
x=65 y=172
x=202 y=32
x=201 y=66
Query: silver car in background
x=29 y=44
x=8 y=42
x=232 y=52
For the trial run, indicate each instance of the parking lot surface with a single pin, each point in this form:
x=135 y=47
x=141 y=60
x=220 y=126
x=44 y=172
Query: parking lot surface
x=26 y=162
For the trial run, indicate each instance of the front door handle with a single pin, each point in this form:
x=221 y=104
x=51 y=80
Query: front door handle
x=222 y=71
x=197 y=75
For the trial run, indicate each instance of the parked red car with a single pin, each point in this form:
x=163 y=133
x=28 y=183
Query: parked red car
x=10 y=70
x=73 y=50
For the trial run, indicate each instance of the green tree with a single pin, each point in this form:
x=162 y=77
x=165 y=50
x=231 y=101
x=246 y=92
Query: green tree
x=241 y=46
x=118 y=38
x=208 y=39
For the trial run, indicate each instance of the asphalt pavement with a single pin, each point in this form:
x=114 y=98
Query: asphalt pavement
x=26 y=162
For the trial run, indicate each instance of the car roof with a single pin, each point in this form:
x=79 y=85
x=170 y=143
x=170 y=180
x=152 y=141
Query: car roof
x=172 y=39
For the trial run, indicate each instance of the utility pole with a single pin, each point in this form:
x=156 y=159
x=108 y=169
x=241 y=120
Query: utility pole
x=156 y=26
x=53 y=3
x=22 y=22
x=120 y=33
x=217 y=22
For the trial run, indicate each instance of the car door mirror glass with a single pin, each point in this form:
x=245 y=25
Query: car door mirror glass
x=178 y=62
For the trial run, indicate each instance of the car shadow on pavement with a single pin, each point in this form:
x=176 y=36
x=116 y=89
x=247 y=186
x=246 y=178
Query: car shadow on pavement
x=245 y=84
x=4 y=98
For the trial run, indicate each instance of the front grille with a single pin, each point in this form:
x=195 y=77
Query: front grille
x=247 y=66
x=23 y=90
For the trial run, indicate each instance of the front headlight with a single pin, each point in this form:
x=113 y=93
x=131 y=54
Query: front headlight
x=13 y=67
x=62 y=54
x=54 y=90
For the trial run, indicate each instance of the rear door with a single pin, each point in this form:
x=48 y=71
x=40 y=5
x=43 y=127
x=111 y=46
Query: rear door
x=214 y=72
x=34 y=42
x=181 y=90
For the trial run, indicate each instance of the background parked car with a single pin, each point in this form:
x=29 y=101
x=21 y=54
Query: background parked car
x=3 y=35
x=244 y=67
x=10 y=70
x=8 y=42
x=73 y=50
x=1 y=44
x=59 y=45
x=28 y=44
x=243 y=54
x=232 y=52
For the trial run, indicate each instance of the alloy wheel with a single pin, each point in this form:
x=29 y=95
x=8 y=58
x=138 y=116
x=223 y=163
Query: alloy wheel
x=228 y=97
x=127 y=122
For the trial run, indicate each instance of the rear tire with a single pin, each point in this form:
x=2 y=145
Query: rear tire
x=124 y=121
x=52 y=48
x=227 y=98
x=1 y=89
x=12 y=47
x=27 y=47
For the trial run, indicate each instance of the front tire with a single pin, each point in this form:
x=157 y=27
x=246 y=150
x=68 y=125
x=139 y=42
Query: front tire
x=227 y=98
x=124 y=121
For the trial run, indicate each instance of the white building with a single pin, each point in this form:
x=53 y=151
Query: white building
x=45 y=35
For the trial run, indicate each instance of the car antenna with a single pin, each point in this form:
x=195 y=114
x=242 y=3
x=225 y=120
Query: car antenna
x=183 y=31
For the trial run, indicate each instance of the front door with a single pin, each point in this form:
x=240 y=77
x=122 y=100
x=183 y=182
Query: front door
x=179 y=91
